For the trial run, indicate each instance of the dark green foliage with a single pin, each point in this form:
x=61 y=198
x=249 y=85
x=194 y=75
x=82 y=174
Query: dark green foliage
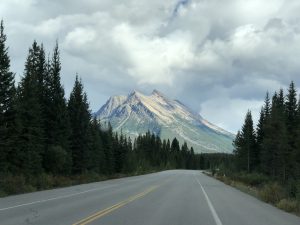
x=274 y=145
x=297 y=149
x=97 y=156
x=107 y=137
x=277 y=143
x=28 y=157
x=80 y=117
x=57 y=158
x=160 y=155
x=175 y=145
x=120 y=151
x=55 y=112
x=292 y=128
x=215 y=161
x=7 y=105
x=277 y=148
x=245 y=146
x=274 y=175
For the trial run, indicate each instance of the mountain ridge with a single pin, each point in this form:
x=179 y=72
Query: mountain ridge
x=137 y=113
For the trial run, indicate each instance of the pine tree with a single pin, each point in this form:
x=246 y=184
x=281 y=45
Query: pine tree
x=175 y=145
x=118 y=156
x=245 y=145
x=297 y=150
x=267 y=106
x=264 y=119
x=260 y=136
x=97 y=157
x=80 y=133
x=175 y=150
x=249 y=142
x=291 y=125
x=7 y=105
x=291 y=108
x=28 y=159
x=107 y=138
x=185 y=156
x=274 y=157
x=56 y=113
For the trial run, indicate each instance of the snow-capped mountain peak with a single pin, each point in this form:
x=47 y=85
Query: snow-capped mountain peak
x=137 y=113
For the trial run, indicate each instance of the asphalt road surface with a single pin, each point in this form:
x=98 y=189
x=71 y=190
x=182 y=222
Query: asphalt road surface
x=175 y=197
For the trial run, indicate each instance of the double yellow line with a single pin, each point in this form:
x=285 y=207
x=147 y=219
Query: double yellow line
x=104 y=212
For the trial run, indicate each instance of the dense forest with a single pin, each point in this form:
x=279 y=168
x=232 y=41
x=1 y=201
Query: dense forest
x=266 y=159
x=273 y=147
x=43 y=135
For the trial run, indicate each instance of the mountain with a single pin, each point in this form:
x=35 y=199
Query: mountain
x=137 y=113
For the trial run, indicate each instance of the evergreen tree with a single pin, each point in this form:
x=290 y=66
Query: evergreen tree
x=291 y=125
x=291 y=109
x=97 y=157
x=175 y=145
x=260 y=136
x=107 y=138
x=297 y=150
x=264 y=119
x=80 y=117
x=274 y=156
x=267 y=106
x=28 y=158
x=175 y=149
x=168 y=155
x=185 y=157
x=56 y=113
x=118 y=152
x=7 y=105
x=245 y=145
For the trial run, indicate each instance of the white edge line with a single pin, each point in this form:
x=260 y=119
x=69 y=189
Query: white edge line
x=56 y=198
x=211 y=207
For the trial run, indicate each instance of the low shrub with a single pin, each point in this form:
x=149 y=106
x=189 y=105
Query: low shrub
x=14 y=185
x=253 y=179
x=298 y=191
x=271 y=193
x=288 y=205
x=43 y=181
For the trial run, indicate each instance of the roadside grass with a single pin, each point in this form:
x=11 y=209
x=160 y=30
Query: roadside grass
x=264 y=189
x=19 y=184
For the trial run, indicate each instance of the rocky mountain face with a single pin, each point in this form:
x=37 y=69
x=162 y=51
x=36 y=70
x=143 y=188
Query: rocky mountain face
x=137 y=113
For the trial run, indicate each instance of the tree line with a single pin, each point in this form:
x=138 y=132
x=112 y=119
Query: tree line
x=273 y=147
x=42 y=132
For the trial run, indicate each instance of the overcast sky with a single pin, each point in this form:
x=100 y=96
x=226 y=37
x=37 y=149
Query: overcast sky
x=218 y=57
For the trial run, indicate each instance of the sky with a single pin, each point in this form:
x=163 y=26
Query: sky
x=217 y=57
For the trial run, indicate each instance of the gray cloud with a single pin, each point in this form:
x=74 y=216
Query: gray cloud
x=219 y=57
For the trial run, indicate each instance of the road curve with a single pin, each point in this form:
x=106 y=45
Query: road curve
x=175 y=197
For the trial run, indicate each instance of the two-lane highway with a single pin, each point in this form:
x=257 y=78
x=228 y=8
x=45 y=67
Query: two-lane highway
x=176 y=197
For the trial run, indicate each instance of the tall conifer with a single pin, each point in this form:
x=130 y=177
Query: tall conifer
x=7 y=105
x=31 y=141
x=80 y=117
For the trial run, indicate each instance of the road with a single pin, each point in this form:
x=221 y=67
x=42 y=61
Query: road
x=175 y=197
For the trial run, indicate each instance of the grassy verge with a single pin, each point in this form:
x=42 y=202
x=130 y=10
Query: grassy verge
x=20 y=184
x=264 y=189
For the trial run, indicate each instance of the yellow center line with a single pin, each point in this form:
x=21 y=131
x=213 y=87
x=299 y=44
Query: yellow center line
x=103 y=212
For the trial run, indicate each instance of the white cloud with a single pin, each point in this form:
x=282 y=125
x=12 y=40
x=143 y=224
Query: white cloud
x=229 y=113
x=208 y=53
x=154 y=60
